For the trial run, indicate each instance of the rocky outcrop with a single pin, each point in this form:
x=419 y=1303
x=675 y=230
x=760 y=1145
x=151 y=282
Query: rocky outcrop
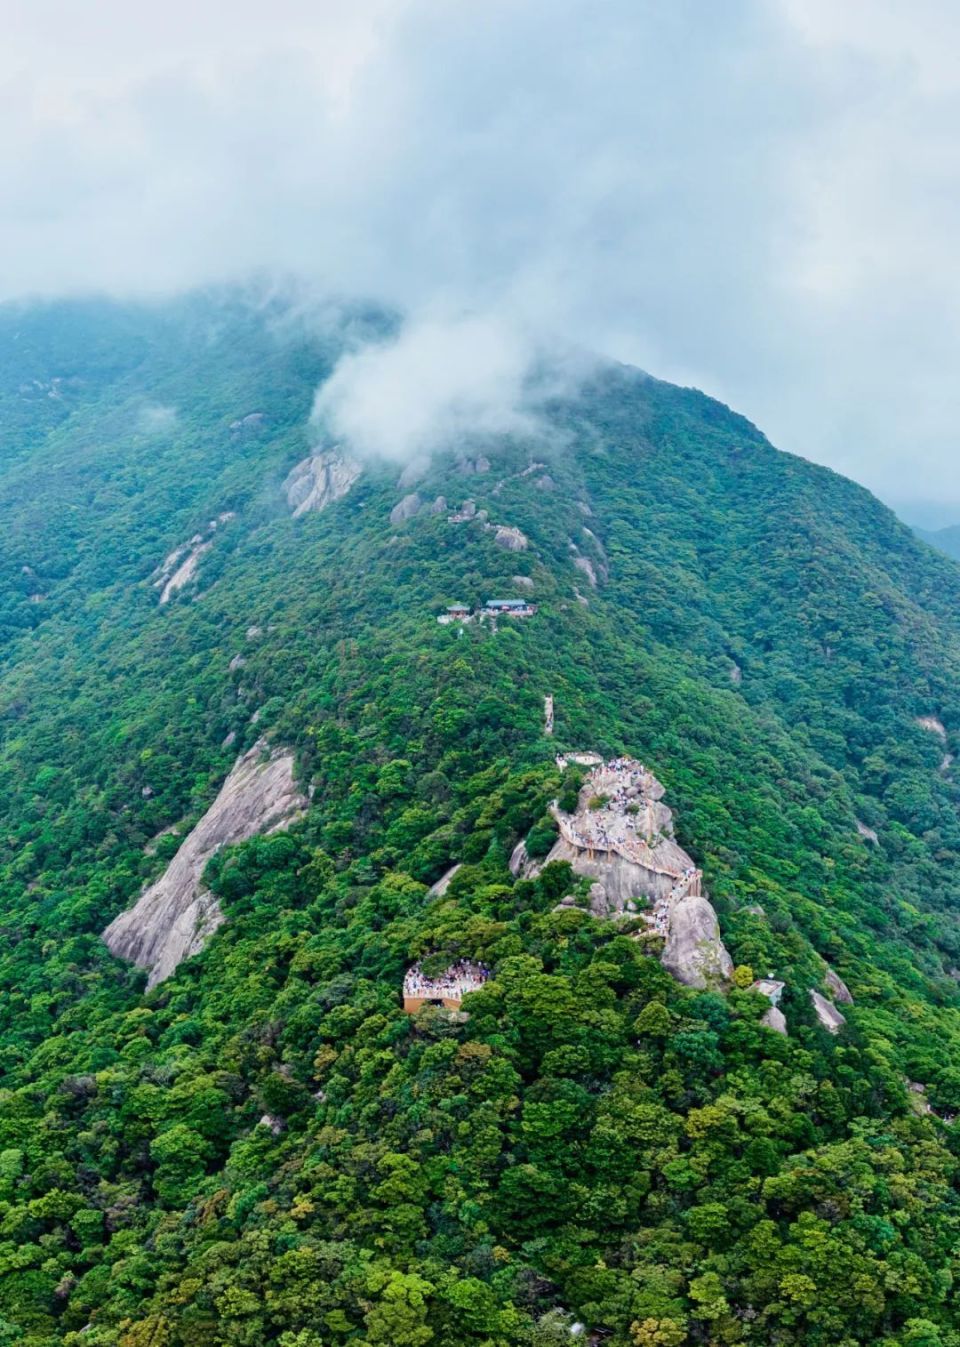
x=511 y=539
x=775 y=1019
x=837 y=988
x=623 y=880
x=319 y=480
x=252 y=421
x=827 y=1013
x=180 y=567
x=406 y=509
x=586 y=565
x=694 y=952
x=522 y=581
x=443 y=883
x=867 y=834
x=522 y=866
x=934 y=725
x=174 y=918
x=621 y=837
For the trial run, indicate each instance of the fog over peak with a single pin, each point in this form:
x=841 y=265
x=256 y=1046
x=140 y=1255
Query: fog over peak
x=759 y=198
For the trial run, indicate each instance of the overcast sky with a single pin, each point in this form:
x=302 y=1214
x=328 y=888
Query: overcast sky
x=757 y=198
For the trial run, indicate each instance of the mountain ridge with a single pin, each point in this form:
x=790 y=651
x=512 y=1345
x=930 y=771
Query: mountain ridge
x=595 y=1143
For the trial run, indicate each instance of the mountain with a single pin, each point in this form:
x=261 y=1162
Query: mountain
x=945 y=540
x=228 y=711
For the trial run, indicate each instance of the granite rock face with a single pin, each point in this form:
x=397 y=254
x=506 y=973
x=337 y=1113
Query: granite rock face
x=406 y=508
x=175 y=917
x=775 y=1019
x=837 y=988
x=694 y=952
x=319 y=480
x=510 y=538
x=827 y=1013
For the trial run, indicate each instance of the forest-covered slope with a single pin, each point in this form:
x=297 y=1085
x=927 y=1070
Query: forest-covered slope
x=264 y=1148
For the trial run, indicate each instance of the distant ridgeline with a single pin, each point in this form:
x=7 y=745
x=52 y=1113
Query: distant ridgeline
x=666 y=1076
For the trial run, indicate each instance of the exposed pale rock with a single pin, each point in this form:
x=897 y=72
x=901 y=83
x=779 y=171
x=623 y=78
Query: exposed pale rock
x=273 y=1123
x=736 y=675
x=253 y=633
x=775 y=1019
x=694 y=952
x=439 y=506
x=443 y=883
x=586 y=565
x=252 y=421
x=510 y=538
x=229 y=739
x=236 y=663
x=406 y=508
x=946 y=762
x=185 y=571
x=827 y=1013
x=867 y=834
x=175 y=916
x=545 y=483
x=523 y=581
x=837 y=987
x=319 y=480
x=518 y=859
x=933 y=724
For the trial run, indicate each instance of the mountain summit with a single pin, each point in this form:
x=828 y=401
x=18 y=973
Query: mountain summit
x=254 y=795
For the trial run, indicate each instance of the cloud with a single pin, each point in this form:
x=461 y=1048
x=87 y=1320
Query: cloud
x=758 y=197
x=156 y=418
x=439 y=380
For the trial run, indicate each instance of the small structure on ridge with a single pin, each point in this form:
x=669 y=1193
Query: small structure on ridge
x=508 y=608
x=456 y=612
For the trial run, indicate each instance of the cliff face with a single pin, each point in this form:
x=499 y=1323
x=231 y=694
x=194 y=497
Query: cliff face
x=318 y=480
x=175 y=917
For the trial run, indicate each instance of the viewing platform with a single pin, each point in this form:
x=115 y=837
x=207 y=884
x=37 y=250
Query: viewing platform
x=447 y=990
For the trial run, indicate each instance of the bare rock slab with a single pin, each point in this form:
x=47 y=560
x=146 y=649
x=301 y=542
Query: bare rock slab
x=694 y=952
x=175 y=917
x=827 y=1013
x=319 y=480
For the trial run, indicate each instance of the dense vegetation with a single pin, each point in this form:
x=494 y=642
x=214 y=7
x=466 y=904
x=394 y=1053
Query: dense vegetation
x=595 y=1143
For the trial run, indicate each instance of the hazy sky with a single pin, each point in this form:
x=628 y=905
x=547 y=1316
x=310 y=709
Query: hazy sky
x=758 y=198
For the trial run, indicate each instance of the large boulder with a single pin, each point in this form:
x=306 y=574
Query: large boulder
x=510 y=538
x=319 y=480
x=174 y=918
x=694 y=952
x=406 y=509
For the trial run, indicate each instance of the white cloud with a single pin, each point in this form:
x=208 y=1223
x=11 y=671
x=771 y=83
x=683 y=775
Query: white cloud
x=441 y=379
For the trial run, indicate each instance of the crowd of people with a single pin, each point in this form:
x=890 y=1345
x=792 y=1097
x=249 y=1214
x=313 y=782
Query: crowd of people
x=453 y=984
x=620 y=782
